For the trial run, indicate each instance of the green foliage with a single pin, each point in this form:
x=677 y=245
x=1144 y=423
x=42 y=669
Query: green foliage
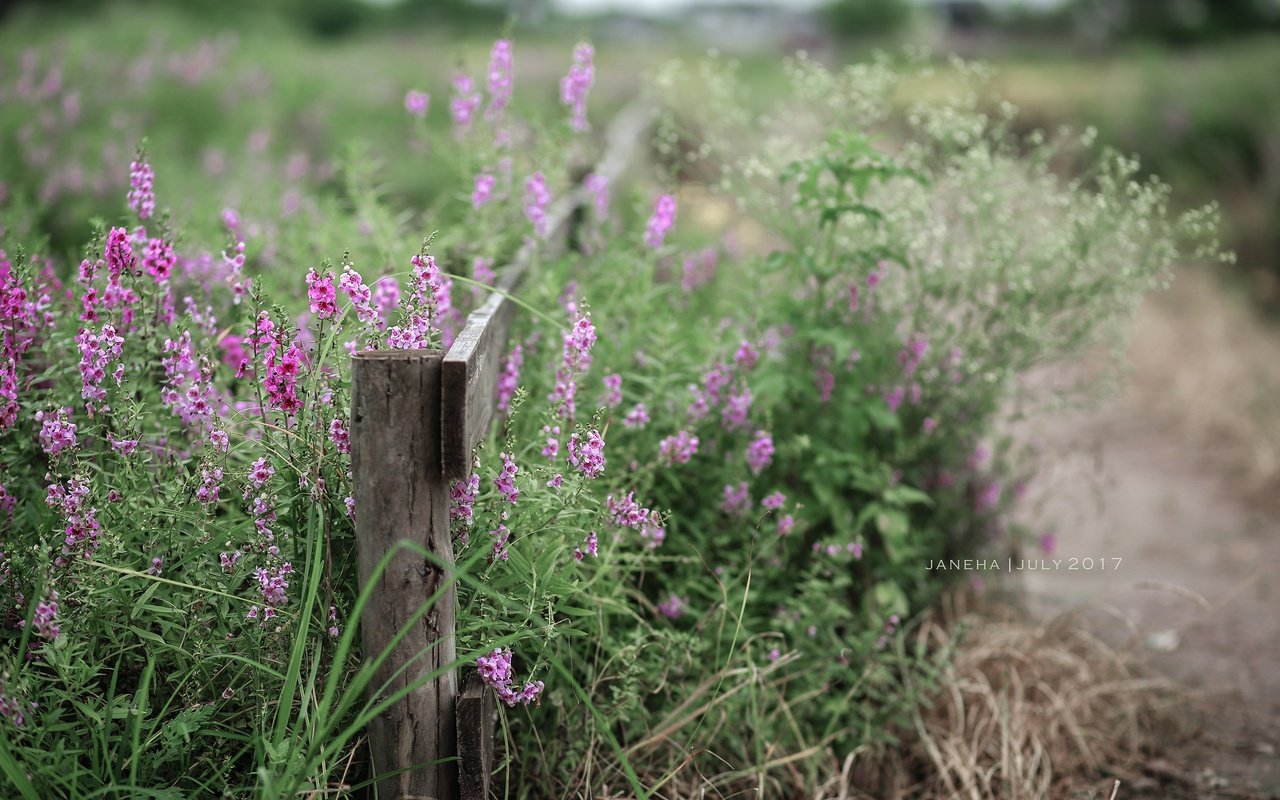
x=750 y=629
x=867 y=18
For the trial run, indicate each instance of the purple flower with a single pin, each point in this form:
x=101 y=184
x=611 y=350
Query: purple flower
x=509 y=380
x=825 y=381
x=736 y=499
x=501 y=536
x=361 y=296
x=209 y=490
x=500 y=78
x=464 y=104
x=663 y=218
x=506 y=480
x=536 y=200
x=272 y=584
x=462 y=499
x=321 y=294
x=483 y=192
x=142 y=199
x=678 y=449
x=627 y=513
x=339 y=435
x=699 y=269
x=785 y=524
x=1048 y=543
x=912 y=352
x=673 y=607
x=416 y=102
x=218 y=439
x=613 y=390
x=587 y=456
x=598 y=186
x=637 y=417
x=592 y=543
x=737 y=408
x=45 y=619
x=575 y=86
x=746 y=356
x=760 y=452
x=774 y=501
x=57 y=431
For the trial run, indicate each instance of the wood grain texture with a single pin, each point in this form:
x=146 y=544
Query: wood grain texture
x=477 y=713
x=400 y=495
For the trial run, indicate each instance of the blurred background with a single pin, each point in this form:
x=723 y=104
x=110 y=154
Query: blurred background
x=259 y=105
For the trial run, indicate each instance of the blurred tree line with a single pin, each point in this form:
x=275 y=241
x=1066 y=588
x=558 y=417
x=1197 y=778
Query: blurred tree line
x=1176 y=22
x=318 y=17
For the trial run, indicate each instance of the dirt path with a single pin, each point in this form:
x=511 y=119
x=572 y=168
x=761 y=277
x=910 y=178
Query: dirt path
x=1177 y=477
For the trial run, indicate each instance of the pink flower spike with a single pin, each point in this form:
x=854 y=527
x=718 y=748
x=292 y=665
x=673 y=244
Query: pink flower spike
x=416 y=103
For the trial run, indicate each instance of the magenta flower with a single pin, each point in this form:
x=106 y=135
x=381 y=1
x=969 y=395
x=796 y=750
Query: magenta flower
x=462 y=499
x=737 y=499
x=209 y=489
x=57 y=431
x=536 y=200
x=506 y=480
x=495 y=670
x=272 y=583
x=464 y=104
x=825 y=382
x=339 y=435
x=509 y=380
x=158 y=259
x=501 y=536
x=678 y=449
x=321 y=294
x=361 y=297
x=598 y=186
x=637 y=417
x=627 y=513
x=587 y=456
x=45 y=619
x=774 y=501
x=613 y=390
x=746 y=356
x=501 y=81
x=142 y=199
x=699 y=269
x=662 y=220
x=575 y=86
x=386 y=294
x=416 y=102
x=483 y=192
x=760 y=452
x=575 y=359
x=737 y=407
x=592 y=543
x=673 y=607
x=785 y=524
x=912 y=353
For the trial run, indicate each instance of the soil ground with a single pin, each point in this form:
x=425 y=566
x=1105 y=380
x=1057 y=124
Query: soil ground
x=1177 y=476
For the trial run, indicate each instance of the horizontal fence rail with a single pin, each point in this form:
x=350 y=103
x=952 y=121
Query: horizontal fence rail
x=416 y=418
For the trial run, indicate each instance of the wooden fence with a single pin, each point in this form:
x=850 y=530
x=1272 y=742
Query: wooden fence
x=416 y=418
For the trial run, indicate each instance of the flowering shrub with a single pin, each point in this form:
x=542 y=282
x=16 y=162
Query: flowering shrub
x=681 y=522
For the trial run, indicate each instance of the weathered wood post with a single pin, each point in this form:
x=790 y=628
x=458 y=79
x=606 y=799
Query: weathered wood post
x=401 y=494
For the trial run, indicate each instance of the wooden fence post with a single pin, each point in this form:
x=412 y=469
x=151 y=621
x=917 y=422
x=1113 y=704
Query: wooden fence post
x=401 y=494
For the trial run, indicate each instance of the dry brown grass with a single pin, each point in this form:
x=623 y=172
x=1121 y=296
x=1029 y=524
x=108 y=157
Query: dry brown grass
x=1034 y=711
x=1023 y=712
